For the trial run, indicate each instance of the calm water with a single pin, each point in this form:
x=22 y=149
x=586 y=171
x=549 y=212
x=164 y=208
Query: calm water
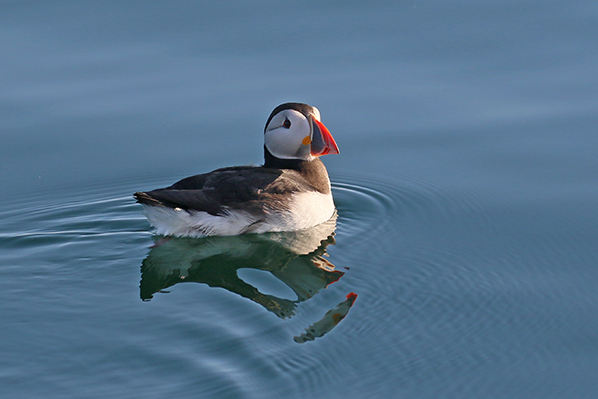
x=466 y=189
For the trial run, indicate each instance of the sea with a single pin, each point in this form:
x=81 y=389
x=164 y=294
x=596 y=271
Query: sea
x=463 y=258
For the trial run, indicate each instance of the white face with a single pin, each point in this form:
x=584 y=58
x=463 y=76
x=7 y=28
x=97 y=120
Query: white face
x=288 y=135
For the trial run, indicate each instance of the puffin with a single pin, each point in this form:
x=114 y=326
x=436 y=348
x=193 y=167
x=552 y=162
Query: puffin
x=291 y=191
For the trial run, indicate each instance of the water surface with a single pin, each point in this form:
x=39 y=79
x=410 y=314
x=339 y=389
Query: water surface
x=465 y=189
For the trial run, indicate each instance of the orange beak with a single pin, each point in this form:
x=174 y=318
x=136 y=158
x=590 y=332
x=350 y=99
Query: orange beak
x=322 y=142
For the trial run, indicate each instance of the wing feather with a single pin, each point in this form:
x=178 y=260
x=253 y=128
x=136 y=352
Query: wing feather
x=244 y=187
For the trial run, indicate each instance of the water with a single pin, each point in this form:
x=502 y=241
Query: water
x=465 y=189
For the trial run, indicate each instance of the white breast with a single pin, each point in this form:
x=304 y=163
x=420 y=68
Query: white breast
x=306 y=210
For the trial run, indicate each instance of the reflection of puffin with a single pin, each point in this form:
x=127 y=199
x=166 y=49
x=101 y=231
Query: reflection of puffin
x=291 y=191
x=294 y=258
x=328 y=322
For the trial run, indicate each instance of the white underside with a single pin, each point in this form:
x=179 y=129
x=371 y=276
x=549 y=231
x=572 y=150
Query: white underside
x=306 y=210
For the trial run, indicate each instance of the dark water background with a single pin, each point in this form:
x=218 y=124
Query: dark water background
x=466 y=188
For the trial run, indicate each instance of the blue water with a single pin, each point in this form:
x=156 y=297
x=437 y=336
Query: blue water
x=466 y=192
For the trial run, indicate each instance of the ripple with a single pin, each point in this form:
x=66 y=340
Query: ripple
x=455 y=279
x=72 y=220
x=377 y=211
x=366 y=205
x=366 y=198
x=428 y=265
x=376 y=216
x=435 y=290
x=72 y=225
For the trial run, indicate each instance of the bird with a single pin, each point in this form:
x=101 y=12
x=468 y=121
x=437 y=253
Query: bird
x=291 y=191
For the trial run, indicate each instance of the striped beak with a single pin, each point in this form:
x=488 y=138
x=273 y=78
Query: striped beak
x=322 y=142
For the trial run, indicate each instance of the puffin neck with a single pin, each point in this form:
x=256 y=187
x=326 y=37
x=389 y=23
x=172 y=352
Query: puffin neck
x=270 y=161
x=313 y=171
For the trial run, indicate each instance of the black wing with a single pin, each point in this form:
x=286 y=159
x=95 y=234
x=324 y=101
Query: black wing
x=241 y=187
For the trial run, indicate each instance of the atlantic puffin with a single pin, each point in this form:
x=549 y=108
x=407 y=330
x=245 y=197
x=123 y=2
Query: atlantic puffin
x=289 y=192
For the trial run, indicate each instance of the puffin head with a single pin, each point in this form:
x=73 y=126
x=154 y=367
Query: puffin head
x=294 y=131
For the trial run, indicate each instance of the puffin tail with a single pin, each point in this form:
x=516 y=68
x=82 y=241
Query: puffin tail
x=146 y=199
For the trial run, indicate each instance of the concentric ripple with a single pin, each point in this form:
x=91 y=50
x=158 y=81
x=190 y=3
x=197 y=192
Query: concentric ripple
x=410 y=250
x=368 y=205
x=74 y=220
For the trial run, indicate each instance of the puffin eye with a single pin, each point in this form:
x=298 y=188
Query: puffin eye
x=286 y=123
